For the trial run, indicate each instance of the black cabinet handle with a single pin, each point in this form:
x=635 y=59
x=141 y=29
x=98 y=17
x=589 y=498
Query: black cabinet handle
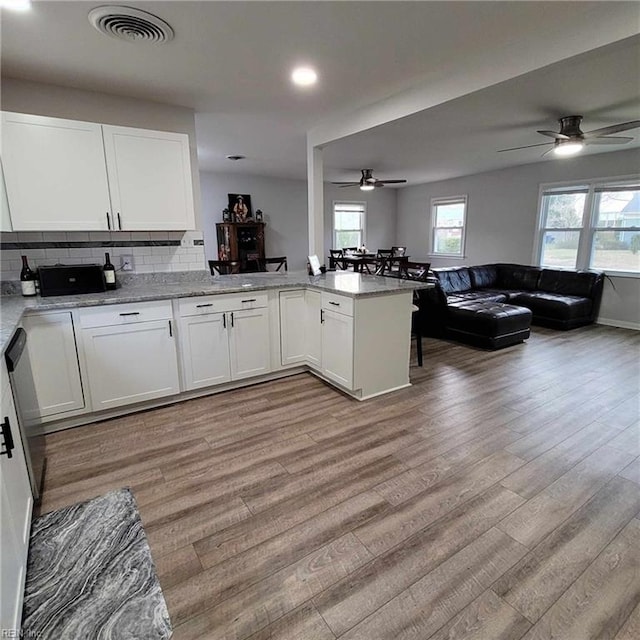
x=250 y=300
x=170 y=329
x=224 y=320
x=5 y=427
x=232 y=319
x=321 y=316
x=108 y=222
x=131 y=313
x=199 y=306
x=335 y=304
x=119 y=222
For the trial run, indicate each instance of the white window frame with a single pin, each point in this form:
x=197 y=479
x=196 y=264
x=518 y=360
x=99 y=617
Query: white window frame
x=589 y=219
x=363 y=229
x=435 y=202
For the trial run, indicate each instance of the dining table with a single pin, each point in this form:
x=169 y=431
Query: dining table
x=365 y=262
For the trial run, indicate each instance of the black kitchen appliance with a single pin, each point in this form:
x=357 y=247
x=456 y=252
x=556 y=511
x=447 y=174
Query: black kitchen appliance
x=72 y=279
x=26 y=401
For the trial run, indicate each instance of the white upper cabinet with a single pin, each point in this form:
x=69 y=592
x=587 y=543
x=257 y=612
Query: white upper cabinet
x=5 y=217
x=149 y=179
x=63 y=175
x=54 y=173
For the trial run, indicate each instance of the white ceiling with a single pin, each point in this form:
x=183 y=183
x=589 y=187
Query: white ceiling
x=230 y=62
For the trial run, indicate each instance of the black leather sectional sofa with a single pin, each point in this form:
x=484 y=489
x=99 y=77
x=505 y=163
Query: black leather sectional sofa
x=493 y=305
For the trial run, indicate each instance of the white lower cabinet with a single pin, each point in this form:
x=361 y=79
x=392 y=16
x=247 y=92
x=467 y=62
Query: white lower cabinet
x=313 y=328
x=16 y=503
x=204 y=348
x=361 y=344
x=337 y=347
x=249 y=343
x=51 y=344
x=293 y=310
x=223 y=338
x=131 y=357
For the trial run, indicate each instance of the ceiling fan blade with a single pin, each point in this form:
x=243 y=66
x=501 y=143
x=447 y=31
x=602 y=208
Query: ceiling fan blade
x=605 y=131
x=528 y=146
x=608 y=140
x=346 y=184
x=391 y=181
x=554 y=134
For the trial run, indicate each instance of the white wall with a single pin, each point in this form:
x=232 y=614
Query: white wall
x=284 y=203
x=92 y=106
x=380 y=216
x=502 y=214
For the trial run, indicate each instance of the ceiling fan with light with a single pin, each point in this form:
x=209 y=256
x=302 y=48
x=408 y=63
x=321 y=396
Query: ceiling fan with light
x=367 y=182
x=570 y=139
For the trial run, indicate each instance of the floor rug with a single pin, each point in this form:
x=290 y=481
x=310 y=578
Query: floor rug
x=90 y=575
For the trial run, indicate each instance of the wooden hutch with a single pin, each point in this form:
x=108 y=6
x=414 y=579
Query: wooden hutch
x=241 y=241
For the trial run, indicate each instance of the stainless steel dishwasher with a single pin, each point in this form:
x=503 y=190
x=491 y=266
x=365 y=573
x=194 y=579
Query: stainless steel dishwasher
x=26 y=401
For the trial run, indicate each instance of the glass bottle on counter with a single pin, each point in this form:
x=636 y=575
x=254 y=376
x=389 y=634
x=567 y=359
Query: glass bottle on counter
x=27 y=279
x=109 y=272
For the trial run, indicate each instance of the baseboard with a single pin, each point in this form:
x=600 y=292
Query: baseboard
x=622 y=324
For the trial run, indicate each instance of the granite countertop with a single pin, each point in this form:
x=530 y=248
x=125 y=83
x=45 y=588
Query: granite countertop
x=354 y=285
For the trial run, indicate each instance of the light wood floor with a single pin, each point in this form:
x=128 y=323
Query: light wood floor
x=497 y=498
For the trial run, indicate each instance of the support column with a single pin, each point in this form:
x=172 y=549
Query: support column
x=315 y=197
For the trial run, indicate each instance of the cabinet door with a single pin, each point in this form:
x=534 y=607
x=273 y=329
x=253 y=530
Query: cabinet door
x=55 y=174
x=337 y=347
x=149 y=179
x=53 y=355
x=204 y=345
x=313 y=328
x=249 y=342
x=15 y=521
x=293 y=314
x=5 y=217
x=130 y=363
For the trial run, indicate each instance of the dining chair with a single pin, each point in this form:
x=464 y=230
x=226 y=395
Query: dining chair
x=224 y=267
x=281 y=261
x=398 y=252
x=335 y=259
x=382 y=261
x=414 y=270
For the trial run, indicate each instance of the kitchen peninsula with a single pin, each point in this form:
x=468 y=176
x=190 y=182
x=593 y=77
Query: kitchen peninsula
x=166 y=338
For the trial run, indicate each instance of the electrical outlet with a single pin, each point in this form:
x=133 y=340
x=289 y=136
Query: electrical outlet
x=127 y=263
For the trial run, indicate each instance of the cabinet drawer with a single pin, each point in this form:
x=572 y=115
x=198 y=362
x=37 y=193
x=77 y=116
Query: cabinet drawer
x=339 y=304
x=221 y=303
x=110 y=315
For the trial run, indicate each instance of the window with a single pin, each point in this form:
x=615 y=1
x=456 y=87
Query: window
x=593 y=225
x=448 y=216
x=348 y=224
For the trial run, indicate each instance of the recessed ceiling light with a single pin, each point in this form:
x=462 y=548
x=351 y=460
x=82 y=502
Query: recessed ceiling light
x=16 y=5
x=304 y=76
x=236 y=157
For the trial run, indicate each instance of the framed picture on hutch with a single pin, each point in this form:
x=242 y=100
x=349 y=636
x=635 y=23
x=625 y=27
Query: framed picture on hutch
x=240 y=207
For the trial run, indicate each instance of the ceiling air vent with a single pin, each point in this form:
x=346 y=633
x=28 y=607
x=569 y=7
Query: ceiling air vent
x=132 y=25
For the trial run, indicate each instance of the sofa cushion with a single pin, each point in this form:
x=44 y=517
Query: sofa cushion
x=570 y=283
x=553 y=305
x=484 y=276
x=517 y=276
x=454 y=279
x=471 y=296
x=507 y=294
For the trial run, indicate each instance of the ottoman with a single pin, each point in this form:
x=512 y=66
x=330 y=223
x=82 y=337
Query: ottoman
x=491 y=325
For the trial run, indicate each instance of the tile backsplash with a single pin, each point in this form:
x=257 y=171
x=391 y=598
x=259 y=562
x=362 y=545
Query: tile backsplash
x=152 y=251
